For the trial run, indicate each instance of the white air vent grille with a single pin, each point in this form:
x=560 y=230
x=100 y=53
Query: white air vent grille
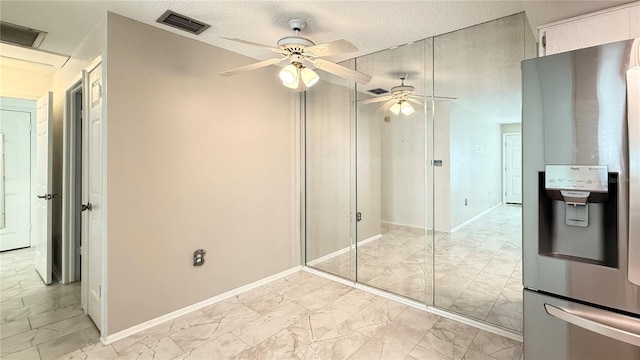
x=182 y=22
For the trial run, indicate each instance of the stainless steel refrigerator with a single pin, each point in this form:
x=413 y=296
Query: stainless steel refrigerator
x=581 y=205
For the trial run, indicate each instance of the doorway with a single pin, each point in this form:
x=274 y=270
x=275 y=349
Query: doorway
x=512 y=169
x=72 y=226
x=83 y=246
x=18 y=117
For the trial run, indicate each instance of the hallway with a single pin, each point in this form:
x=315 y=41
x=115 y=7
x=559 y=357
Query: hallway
x=39 y=321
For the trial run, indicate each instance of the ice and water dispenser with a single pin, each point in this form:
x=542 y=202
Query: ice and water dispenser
x=578 y=213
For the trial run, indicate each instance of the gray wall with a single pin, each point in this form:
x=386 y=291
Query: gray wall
x=403 y=169
x=328 y=170
x=369 y=170
x=194 y=160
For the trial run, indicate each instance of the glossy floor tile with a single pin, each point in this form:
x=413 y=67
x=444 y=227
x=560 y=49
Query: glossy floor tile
x=304 y=316
x=478 y=268
x=38 y=321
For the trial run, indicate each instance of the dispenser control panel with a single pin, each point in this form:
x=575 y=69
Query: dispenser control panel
x=577 y=177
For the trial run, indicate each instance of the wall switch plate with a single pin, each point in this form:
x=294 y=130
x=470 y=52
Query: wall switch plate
x=198 y=257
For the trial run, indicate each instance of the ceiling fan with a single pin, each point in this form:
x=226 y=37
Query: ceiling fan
x=401 y=98
x=301 y=52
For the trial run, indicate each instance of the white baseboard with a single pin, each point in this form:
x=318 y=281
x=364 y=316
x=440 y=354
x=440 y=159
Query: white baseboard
x=475 y=218
x=368 y=240
x=420 y=305
x=185 y=310
x=405 y=225
x=343 y=250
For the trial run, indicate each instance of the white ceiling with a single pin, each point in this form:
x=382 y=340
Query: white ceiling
x=370 y=25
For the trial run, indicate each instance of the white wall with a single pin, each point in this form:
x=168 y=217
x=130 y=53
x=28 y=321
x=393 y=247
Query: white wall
x=511 y=128
x=24 y=83
x=194 y=160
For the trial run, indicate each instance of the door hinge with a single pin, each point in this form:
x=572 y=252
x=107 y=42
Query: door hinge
x=100 y=91
x=79 y=250
x=100 y=291
x=544 y=40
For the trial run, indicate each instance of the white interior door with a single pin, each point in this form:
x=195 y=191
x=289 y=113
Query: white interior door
x=15 y=178
x=93 y=196
x=513 y=168
x=42 y=211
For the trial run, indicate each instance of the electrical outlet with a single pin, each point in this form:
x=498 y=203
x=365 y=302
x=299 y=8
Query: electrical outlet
x=466 y=202
x=198 y=257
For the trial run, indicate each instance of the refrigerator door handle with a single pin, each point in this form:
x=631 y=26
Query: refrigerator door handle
x=633 y=123
x=626 y=330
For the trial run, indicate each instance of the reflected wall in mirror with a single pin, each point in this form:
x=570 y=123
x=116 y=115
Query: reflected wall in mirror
x=393 y=247
x=328 y=176
x=424 y=203
x=478 y=267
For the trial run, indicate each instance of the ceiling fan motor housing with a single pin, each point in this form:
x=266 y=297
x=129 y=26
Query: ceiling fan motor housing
x=294 y=43
x=402 y=90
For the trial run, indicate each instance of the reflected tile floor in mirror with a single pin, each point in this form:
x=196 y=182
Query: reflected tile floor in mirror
x=39 y=321
x=478 y=268
x=304 y=316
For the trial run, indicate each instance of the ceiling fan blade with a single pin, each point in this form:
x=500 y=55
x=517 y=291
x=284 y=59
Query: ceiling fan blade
x=341 y=71
x=252 y=66
x=331 y=48
x=375 y=99
x=386 y=106
x=414 y=101
x=444 y=98
x=274 y=49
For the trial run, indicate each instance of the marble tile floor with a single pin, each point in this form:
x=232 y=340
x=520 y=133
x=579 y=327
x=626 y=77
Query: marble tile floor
x=478 y=269
x=38 y=321
x=304 y=316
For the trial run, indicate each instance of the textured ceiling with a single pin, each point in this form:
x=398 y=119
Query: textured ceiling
x=370 y=25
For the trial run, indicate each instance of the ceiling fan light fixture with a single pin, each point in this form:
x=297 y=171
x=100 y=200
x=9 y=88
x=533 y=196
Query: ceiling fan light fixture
x=289 y=76
x=395 y=108
x=309 y=77
x=291 y=85
x=406 y=108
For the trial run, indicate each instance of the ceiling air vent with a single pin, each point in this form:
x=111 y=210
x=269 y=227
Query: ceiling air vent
x=378 y=91
x=182 y=22
x=20 y=35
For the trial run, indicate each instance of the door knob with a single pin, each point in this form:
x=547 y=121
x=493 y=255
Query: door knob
x=47 y=196
x=86 y=207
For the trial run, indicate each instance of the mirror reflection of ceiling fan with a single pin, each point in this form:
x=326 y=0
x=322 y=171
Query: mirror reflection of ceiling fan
x=401 y=98
x=302 y=52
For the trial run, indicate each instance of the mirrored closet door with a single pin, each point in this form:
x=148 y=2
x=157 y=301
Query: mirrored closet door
x=394 y=247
